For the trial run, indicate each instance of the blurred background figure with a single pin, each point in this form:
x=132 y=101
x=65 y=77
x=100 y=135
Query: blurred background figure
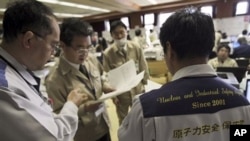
x=140 y=39
x=99 y=44
x=222 y=59
x=243 y=50
x=226 y=40
x=152 y=35
x=244 y=34
x=218 y=37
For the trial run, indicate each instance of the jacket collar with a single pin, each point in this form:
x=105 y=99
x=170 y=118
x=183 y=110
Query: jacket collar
x=194 y=70
x=18 y=67
x=66 y=68
x=128 y=47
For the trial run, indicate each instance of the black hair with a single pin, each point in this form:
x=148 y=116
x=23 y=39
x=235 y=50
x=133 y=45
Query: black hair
x=116 y=24
x=189 y=32
x=223 y=46
x=26 y=15
x=138 y=32
x=244 y=32
x=72 y=27
x=224 y=35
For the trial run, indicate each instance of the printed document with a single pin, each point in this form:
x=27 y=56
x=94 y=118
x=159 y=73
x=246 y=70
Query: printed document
x=123 y=79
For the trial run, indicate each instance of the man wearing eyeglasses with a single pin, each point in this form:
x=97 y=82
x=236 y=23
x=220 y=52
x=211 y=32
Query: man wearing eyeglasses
x=31 y=33
x=78 y=67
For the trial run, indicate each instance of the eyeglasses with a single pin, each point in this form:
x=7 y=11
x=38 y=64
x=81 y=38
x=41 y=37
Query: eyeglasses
x=81 y=50
x=55 y=45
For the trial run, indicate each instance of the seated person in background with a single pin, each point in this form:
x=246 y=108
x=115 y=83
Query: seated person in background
x=225 y=40
x=222 y=59
x=244 y=34
x=243 y=50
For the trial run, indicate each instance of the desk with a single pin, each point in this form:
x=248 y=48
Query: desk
x=158 y=71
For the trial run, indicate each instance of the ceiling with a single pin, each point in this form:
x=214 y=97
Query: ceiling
x=89 y=8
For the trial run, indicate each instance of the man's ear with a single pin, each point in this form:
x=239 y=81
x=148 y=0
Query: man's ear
x=27 y=39
x=62 y=45
x=170 y=53
x=168 y=49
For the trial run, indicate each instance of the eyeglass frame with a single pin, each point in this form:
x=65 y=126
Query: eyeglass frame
x=80 y=50
x=54 y=47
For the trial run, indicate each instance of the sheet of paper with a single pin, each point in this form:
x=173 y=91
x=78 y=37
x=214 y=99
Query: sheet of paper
x=111 y=95
x=151 y=85
x=123 y=79
x=120 y=75
x=134 y=81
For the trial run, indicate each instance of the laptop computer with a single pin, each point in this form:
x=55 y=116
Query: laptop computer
x=242 y=62
x=239 y=72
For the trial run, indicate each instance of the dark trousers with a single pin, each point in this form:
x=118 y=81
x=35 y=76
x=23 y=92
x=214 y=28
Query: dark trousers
x=106 y=137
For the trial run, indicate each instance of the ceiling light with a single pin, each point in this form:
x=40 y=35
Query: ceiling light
x=152 y=1
x=74 y=5
x=59 y=14
x=2 y=9
x=69 y=15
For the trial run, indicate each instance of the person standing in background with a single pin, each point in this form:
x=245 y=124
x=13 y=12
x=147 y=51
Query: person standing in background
x=186 y=108
x=119 y=53
x=99 y=44
x=152 y=35
x=30 y=35
x=77 y=67
x=140 y=39
x=216 y=44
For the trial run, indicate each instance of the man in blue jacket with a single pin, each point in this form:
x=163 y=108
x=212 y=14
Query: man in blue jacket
x=197 y=105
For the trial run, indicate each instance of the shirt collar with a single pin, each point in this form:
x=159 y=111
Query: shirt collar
x=194 y=70
x=124 y=47
x=22 y=70
x=76 y=66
